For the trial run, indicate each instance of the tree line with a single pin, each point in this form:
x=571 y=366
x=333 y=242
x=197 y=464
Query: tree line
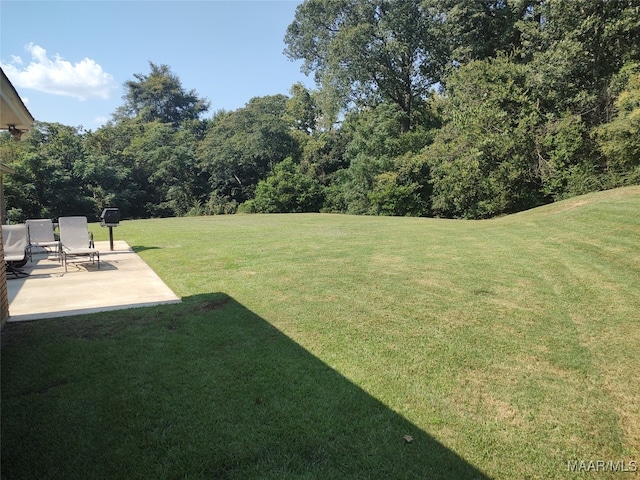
x=449 y=108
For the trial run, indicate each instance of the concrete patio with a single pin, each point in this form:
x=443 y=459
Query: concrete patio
x=123 y=280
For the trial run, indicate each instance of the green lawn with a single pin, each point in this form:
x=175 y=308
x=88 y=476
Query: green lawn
x=310 y=345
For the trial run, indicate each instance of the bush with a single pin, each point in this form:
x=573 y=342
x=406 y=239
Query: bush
x=404 y=190
x=287 y=190
x=15 y=215
x=219 y=204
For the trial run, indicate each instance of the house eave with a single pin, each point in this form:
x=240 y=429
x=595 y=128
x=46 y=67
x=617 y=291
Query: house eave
x=14 y=115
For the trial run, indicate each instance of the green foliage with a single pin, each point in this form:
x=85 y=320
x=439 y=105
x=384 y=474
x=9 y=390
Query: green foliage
x=483 y=160
x=219 y=204
x=164 y=169
x=112 y=175
x=160 y=97
x=18 y=193
x=184 y=183
x=287 y=190
x=242 y=147
x=45 y=183
x=323 y=155
x=367 y=52
x=143 y=162
x=536 y=101
x=15 y=215
x=619 y=139
x=375 y=155
x=566 y=166
x=301 y=110
x=476 y=30
x=575 y=49
x=404 y=190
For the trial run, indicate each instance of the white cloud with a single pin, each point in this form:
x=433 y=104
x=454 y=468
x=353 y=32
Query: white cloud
x=82 y=80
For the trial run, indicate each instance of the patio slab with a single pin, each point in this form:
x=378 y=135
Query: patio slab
x=123 y=280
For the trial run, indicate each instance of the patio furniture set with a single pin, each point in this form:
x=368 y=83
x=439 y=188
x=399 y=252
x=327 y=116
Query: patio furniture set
x=21 y=240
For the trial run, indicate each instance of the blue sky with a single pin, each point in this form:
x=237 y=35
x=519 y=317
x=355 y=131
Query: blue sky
x=68 y=60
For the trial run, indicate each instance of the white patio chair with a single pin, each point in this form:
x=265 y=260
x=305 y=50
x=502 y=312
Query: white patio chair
x=14 y=242
x=76 y=240
x=41 y=236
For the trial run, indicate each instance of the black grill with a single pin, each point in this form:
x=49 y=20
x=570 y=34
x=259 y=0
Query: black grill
x=110 y=217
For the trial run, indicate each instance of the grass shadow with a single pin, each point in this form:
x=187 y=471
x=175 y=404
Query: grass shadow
x=202 y=389
x=142 y=248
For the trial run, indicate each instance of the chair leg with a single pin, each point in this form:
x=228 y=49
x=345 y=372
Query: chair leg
x=16 y=271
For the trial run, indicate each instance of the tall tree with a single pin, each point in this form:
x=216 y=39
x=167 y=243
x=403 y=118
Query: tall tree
x=18 y=198
x=369 y=50
x=287 y=190
x=160 y=97
x=106 y=170
x=376 y=142
x=242 y=147
x=301 y=109
x=576 y=48
x=619 y=139
x=46 y=183
x=483 y=161
x=479 y=29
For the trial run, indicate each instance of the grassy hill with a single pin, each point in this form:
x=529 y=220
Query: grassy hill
x=310 y=345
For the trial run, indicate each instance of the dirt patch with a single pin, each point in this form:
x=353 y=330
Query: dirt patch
x=212 y=305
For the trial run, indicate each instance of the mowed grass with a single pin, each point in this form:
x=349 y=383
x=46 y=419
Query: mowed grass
x=309 y=346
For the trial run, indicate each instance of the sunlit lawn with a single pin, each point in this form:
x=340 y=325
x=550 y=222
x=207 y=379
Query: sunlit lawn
x=309 y=346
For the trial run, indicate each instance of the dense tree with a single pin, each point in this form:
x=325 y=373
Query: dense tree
x=374 y=143
x=324 y=154
x=376 y=140
x=166 y=169
x=369 y=51
x=186 y=184
x=242 y=147
x=145 y=168
x=404 y=190
x=536 y=101
x=301 y=110
x=160 y=97
x=483 y=161
x=619 y=139
x=568 y=162
x=18 y=195
x=108 y=170
x=46 y=183
x=287 y=189
x=480 y=29
x=576 y=49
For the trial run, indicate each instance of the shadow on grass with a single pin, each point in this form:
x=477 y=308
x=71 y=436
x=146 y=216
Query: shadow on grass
x=141 y=248
x=203 y=389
